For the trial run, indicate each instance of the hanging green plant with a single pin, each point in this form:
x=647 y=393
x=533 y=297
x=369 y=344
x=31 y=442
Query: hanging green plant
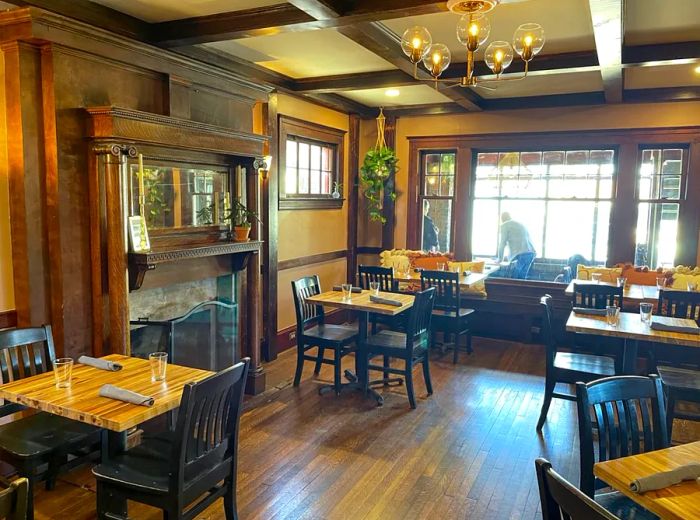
x=378 y=168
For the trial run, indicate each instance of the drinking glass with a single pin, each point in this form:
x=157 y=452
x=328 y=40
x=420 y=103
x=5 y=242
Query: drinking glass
x=692 y=286
x=441 y=266
x=159 y=365
x=596 y=277
x=347 y=292
x=621 y=281
x=63 y=372
x=645 y=312
x=374 y=287
x=612 y=315
x=660 y=282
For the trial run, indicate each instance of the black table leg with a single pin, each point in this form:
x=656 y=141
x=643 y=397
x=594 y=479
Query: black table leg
x=629 y=356
x=114 y=443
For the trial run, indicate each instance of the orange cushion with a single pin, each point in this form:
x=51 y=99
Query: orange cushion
x=429 y=262
x=635 y=275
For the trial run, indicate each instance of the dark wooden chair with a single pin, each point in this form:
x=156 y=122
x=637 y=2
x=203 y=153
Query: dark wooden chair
x=598 y=296
x=384 y=276
x=313 y=332
x=680 y=378
x=13 y=499
x=629 y=417
x=183 y=472
x=448 y=315
x=566 y=367
x=412 y=347
x=42 y=445
x=561 y=499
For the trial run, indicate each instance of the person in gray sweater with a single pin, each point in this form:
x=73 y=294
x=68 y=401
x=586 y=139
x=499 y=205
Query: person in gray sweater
x=520 y=248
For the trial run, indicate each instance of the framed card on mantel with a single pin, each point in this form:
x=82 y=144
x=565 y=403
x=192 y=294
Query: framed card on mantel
x=138 y=235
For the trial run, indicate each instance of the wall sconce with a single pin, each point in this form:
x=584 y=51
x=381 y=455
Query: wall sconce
x=263 y=165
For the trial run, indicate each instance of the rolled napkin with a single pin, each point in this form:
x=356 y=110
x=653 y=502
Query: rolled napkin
x=665 y=479
x=122 y=394
x=590 y=312
x=356 y=290
x=667 y=327
x=385 y=301
x=102 y=364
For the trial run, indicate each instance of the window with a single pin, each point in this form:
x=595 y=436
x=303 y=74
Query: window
x=310 y=165
x=563 y=198
x=660 y=193
x=437 y=200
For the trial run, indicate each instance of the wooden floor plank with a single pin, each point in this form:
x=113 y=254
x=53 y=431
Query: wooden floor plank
x=466 y=452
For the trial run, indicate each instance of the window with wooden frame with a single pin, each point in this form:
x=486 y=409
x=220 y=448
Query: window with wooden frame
x=437 y=199
x=661 y=192
x=311 y=165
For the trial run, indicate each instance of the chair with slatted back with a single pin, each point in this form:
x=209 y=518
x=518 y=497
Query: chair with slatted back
x=412 y=347
x=42 y=445
x=566 y=367
x=629 y=417
x=13 y=499
x=314 y=332
x=680 y=378
x=384 y=276
x=185 y=471
x=561 y=499
x=598 y=296
x=448 y=316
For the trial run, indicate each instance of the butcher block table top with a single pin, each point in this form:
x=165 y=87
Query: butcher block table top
x=81 y=401
x=361 y=302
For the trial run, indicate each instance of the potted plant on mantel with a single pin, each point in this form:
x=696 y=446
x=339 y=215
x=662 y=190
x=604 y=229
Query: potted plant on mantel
x=241 y=221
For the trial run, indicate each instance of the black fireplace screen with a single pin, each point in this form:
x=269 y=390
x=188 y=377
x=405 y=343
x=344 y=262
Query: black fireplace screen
x=206 y=337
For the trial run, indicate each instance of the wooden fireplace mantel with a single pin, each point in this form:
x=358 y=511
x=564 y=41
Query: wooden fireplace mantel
x=141 y=263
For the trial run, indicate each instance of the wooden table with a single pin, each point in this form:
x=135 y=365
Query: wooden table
x=631 y=329
x=81 y=402
x=681 y=502
x=360 y=303
x=633 y=292
x=464 y=281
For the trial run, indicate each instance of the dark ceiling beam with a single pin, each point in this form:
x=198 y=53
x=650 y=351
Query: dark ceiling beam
x=678 y=53
x=297 y=15
x=94 y=14
x=378 y=39
x=548 y=101
x=658 y=95
x=434 y=109
x=608 y=19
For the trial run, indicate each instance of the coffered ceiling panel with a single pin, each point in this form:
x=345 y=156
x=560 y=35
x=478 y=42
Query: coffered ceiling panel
x=164 y=10
x=661 y=21
x=545 y=86
x=409 y=95
x=567 y=25
x=306 y=54
x=662 y=76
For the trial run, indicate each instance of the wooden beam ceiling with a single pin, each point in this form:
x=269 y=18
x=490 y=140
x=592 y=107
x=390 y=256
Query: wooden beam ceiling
x=297 y=15
x=607 y=16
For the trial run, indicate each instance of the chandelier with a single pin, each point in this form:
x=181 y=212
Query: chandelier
x=472 y=31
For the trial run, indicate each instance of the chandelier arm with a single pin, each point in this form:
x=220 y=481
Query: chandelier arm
x=501 y=79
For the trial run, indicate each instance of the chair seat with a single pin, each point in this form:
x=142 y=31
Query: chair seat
x=623 y=507
x=144 y=468
x=681 y=378
x=391 y=343
x=586 y=363
x=42 y=433
x=440 y=313
x=332 y=333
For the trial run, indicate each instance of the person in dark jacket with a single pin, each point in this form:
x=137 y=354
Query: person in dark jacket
x=430 y=230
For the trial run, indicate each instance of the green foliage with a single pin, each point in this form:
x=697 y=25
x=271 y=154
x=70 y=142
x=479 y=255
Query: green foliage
x=156 y=204
x=378 y=167
x=241 y=216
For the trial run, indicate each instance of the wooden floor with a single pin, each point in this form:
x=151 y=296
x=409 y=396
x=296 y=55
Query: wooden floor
x=466 y=452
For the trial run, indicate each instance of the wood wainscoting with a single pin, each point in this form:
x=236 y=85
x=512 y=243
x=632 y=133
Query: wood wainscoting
x=8 y=319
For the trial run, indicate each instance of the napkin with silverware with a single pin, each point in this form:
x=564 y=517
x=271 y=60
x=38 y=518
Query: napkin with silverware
x=102 y=364
x=665 y=479
x=122 y=394
x=590 y=312
x=385 y=301
x=668 y=327
x=356 y=290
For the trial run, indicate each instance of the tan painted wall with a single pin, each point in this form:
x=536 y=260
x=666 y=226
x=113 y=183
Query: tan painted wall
x=7 y=294
x=310 y=232
x=536 y=120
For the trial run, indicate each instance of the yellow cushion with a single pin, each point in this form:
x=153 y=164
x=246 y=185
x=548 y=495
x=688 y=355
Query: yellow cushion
x=680 y=281
x=474 y=267
x=608 y=274
x=400 y=263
